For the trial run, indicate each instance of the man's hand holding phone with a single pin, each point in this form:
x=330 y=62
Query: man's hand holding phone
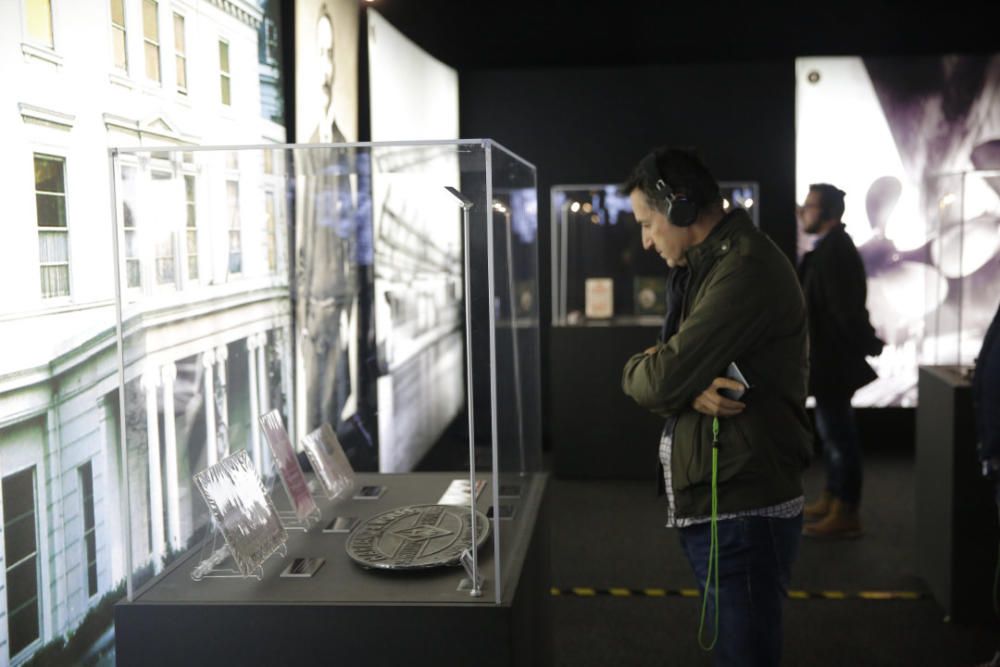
x=712 y=403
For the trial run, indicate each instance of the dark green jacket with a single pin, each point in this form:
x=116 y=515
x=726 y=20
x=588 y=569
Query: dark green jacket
x=743 y=303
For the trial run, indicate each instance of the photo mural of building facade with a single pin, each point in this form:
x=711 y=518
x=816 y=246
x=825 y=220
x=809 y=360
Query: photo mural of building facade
x=204 y=264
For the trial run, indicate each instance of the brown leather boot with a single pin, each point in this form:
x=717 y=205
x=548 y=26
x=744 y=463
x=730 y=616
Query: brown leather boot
x=842 y=522
x=818 y=509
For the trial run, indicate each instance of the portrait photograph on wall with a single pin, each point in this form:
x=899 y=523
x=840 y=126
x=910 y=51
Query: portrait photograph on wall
x=326 y=71
x=359 y=226
x=332 y=225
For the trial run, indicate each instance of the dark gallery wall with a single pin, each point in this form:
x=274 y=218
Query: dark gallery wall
x=592 y=125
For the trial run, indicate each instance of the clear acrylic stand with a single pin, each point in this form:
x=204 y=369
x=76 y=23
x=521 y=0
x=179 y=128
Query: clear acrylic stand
x=331 y=465
x=470 y=557
x=289 y=518
x=473 y=581
x=286 y=467
x=246 y=529
x=215 y=554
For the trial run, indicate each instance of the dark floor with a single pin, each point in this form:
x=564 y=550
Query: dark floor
x=609 y=534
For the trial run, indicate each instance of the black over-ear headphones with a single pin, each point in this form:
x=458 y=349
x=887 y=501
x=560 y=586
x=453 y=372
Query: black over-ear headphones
x=681 y=211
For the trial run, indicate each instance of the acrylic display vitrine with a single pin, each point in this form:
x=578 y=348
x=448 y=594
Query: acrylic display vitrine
x=378 y=289
x=961 y=265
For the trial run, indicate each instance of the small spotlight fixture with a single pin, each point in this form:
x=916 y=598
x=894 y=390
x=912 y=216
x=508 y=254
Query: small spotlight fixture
x=575 y=207
x=587 y=208
x=725 y=203
x=748 y=202
x=596 y=219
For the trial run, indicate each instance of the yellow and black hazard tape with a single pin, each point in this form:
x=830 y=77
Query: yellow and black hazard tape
x=585 y=592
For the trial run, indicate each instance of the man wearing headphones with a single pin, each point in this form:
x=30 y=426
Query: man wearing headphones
x=840 y=337
x=731 y=468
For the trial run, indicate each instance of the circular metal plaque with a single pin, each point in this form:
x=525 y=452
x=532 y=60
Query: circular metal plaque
x=416 y=537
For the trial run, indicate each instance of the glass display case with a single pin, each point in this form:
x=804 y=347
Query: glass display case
x=386 y=291
x=961 y=265
x=601 y=275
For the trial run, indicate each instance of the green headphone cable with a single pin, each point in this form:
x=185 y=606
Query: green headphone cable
x=713 y=549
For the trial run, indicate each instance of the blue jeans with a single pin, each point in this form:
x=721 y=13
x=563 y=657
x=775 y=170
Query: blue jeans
x=755 y=561
x=841 y=448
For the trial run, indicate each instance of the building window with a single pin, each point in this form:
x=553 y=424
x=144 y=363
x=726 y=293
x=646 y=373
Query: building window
x=133 y=269
x=235 y=240
x=224 y=71
x=181 y=54
x=53 y=235
x=39 y=22
x=162 y=189
x=151 y=38
x=89 y=527
x=271 y=232
x=119 y=51
x=20 y=532
x=271 y=42
x=191 y=227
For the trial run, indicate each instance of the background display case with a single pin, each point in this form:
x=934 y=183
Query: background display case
x=961 y=263
x=337 y=284
x=608 y=302
x=598 y=259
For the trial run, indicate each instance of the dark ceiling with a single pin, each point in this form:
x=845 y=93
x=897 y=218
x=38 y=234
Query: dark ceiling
x=472 y=34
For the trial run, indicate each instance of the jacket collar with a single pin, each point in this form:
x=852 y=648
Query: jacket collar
x=836 y=230
x=720 y=239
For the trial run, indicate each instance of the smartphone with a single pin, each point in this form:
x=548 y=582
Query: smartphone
x=733 y=373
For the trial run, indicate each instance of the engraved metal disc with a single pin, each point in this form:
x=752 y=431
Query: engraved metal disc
x=416 y=537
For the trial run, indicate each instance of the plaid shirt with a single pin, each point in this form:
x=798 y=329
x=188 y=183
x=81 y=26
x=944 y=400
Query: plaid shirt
x=785 y=510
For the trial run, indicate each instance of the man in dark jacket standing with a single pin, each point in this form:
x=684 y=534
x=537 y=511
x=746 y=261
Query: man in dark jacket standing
x=986 y=403
x=733 y=485
x=840 y=337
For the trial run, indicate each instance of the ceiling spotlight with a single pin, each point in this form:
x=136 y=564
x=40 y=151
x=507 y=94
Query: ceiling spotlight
x=587 y=208
x=596 y=219
x=575 y=207
x=725 y=203
x=748 y=202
